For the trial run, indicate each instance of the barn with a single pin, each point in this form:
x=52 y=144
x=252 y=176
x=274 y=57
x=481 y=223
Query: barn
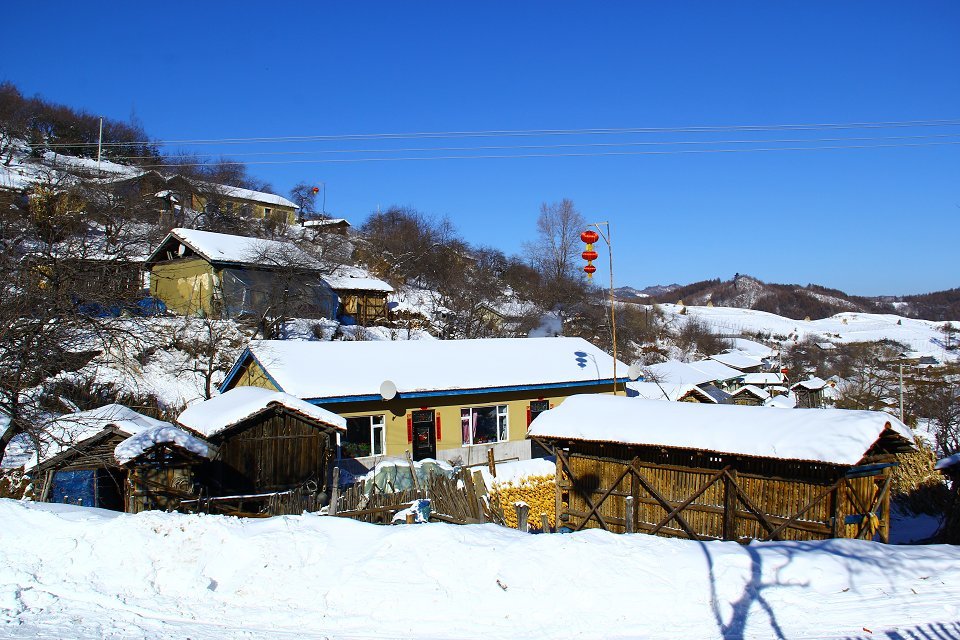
x=265 y=442
x=722 y=472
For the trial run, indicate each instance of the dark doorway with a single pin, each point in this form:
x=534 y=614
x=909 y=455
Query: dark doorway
x=424 y=434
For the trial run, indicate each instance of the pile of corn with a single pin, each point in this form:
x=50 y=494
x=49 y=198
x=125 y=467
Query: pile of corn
x=537 y=491
x=916 y=485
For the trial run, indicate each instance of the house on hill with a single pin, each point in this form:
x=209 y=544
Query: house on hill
x=177 y=196
x=445 y=399
x=700 y=373
x=222 y=275
x=722 y=472
x=740 y=361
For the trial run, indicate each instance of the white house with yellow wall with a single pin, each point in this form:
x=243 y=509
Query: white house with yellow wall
x=446 y=399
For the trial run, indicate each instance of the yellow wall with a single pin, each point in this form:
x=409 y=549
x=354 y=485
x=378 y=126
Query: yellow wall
x=447 y=407
x=185 y=286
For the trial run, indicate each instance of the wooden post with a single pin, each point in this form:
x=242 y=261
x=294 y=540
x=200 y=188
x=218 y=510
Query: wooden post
x=523 y=515
x=334 y=492
x=491 y=463
x=835 y=510
x=479 y=491
x=545 y=523
x=628 y=514
x=413 y=472
x=730 y=505
x=410 y=518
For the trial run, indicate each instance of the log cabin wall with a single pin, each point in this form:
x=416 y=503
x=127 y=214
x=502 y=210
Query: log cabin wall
x=274 y=453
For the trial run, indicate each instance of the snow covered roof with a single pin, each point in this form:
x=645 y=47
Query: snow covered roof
x=752 y=348
x=834 y=436
x=218 y=414
x=738 y=360
x=763 y=378
x=326 y=222
x=347 y=278
x=349 y=369
x=813 y=384
x=249 y=194
x=68 y=430
x=666 y=391
x=752 y=390
x=136 y=445
x=241 y=250
x=676 y=372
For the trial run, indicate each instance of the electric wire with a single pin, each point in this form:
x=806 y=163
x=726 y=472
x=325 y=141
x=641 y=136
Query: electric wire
x=189 y=156
x=552 y=155
x=529 y=132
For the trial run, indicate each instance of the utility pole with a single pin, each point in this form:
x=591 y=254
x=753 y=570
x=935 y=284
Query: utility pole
x=901 y=392
x=99 y=144
x=608 y=238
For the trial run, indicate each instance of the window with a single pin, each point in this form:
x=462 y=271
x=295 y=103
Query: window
x=536 y=408
x=481 y=425
x=267 y=211
x=364 y=437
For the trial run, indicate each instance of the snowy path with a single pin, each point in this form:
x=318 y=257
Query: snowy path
x=69 y=572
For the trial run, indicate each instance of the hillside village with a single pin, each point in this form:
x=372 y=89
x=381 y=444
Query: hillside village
x=186 y=353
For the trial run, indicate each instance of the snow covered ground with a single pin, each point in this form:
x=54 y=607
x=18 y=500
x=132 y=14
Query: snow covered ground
x=923 y=336
x=74 y=572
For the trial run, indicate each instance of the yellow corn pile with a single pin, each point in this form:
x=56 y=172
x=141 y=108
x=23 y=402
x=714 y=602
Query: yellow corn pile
x=537 y=491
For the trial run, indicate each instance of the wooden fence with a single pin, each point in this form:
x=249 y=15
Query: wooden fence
x=720 y=503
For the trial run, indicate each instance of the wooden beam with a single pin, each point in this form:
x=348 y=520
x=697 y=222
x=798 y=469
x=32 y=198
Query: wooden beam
x=663 y=503
x=683 y=505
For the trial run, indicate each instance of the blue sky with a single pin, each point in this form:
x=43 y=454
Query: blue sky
x=869 y=221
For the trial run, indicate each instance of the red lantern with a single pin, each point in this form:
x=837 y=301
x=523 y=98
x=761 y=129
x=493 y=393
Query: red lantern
x=315 y=190
x=589 y=255
x=589 y=236
x=590 y=269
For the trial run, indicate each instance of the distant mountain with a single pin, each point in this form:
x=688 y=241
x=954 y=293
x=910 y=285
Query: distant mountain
x=629 y=294
x=795 y=301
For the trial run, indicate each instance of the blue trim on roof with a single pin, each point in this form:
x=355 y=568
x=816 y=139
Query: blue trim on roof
x=465 y=392
x=236 y=370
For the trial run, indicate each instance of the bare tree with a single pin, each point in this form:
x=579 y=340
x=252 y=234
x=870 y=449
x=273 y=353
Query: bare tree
x=53 y=301
x=555 y=252
x=557 y=248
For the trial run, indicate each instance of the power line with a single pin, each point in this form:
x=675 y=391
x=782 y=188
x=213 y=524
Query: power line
x=556 y=146
x=532 y=132
x=557 y=155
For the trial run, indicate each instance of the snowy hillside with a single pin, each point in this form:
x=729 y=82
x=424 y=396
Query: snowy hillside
x=75 y=572
x=923 y=336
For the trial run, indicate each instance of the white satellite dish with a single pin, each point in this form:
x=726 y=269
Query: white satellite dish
x=634 y=372
x=388 y=390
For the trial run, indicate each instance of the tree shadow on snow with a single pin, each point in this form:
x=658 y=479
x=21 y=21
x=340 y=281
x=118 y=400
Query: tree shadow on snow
x=859 y=559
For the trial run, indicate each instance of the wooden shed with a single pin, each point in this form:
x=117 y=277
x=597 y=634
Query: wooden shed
x=165 y=466
x=76 y=461
x=749 y=395
x=810 y=393
x=266 y=441
x=722 y=472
